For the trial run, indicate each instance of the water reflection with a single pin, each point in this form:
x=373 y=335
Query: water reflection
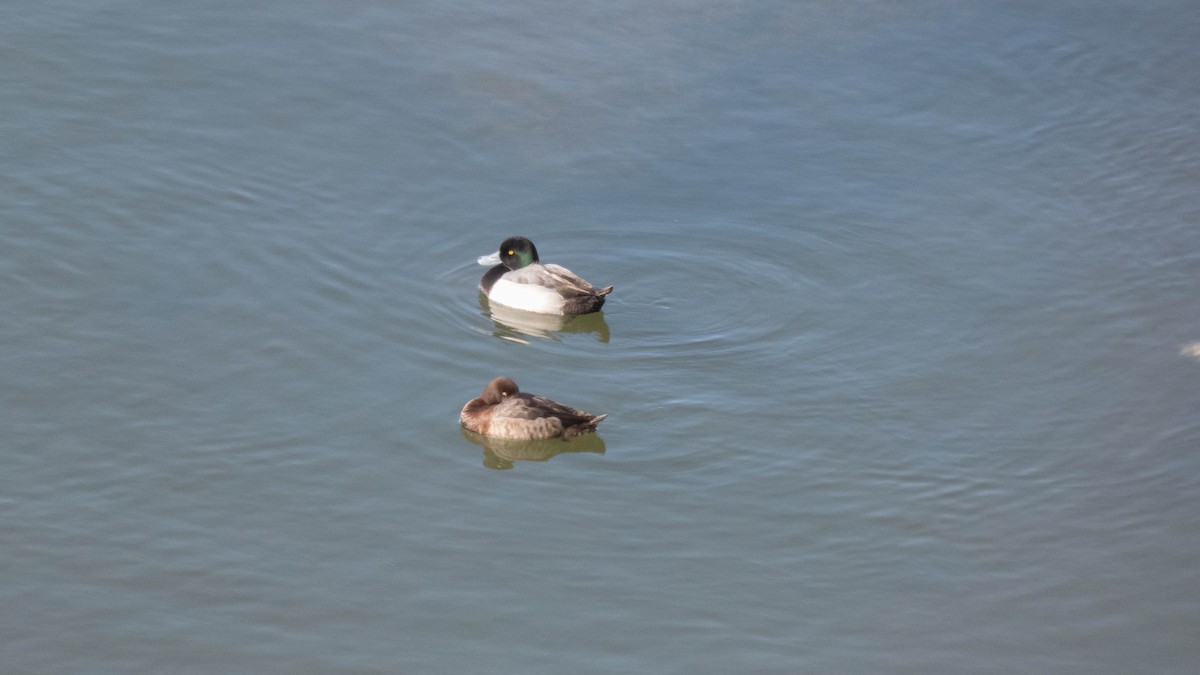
x=511 y=323
x=503 y=453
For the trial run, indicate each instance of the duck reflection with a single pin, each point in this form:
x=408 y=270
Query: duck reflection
x=502 y=453
x=512 y=323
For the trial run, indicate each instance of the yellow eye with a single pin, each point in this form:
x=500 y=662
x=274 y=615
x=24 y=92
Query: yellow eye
x=510 y=251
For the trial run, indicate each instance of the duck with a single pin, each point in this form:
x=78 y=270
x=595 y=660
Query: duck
x=519 y=280
x=503 y=411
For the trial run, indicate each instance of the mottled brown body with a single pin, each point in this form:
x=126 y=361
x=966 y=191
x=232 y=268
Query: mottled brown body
x=502 y=411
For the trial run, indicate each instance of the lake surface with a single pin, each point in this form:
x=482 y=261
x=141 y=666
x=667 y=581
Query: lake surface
x=901 y=367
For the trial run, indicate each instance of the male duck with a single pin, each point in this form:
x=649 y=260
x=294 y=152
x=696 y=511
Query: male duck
x=519 y=281
x=502 y=411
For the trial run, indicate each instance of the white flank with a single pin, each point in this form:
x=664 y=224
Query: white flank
x=527 y=297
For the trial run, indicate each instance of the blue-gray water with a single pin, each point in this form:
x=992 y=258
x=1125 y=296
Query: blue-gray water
x=900 y=365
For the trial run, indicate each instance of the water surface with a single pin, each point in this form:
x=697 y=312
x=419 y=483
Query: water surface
x=899 y=368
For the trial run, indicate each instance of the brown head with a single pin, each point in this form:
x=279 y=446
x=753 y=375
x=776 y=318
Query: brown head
x=497 y=389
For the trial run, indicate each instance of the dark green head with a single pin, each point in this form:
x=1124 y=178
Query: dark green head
x=517 y=252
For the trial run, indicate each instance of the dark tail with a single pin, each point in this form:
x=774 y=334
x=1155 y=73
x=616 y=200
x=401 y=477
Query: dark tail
x=584 y=427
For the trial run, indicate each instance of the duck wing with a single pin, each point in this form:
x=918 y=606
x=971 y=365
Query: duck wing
x=557 y=278
x=533 y=407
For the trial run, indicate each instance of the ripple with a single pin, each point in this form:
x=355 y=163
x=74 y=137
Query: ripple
x=702 y=300
x=708 y=300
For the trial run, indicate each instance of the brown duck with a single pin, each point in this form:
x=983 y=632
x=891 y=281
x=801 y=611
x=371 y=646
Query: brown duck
x=502 y=411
